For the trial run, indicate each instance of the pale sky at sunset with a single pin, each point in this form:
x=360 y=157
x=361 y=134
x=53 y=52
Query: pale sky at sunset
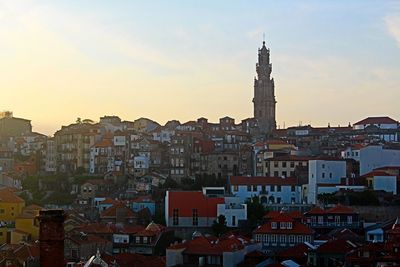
x=333 y=61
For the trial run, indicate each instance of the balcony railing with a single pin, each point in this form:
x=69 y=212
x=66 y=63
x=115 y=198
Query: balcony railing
x=334 y=224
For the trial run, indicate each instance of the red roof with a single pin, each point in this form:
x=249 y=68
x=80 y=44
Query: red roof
x=212 y=246
x=298 y=251
x=186 y=201
x=340 y=209
x=112 y=211
x=336 y=246
x=316 y=210
x=376 y=120
x=259 y=180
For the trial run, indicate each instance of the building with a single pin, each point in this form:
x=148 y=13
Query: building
x=11 y=205
x=226 y=251
x=11 y=126
x=323 y=176
x=153 y=240
x=282 y=231
x=372 y=157
x=284 y=166
x=336 y=217
x=268 y=189
x=379 y=122
x=26 y=225
x=264 y=93
x=189 y=211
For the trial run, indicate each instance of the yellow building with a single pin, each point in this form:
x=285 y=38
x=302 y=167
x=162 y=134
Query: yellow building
x=26 y=225
x=3 y=235
x=11 y=205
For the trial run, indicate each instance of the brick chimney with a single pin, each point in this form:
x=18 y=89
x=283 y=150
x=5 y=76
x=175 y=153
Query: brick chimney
x=51 y=237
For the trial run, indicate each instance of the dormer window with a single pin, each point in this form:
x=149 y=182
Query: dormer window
x=274 y=225
x=289 y=225
x=283 y=225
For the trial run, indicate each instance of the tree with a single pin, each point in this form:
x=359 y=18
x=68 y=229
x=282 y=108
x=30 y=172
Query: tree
x=219 y=227
x=255 y=211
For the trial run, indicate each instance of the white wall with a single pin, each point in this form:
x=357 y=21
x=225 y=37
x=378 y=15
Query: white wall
x=372 y=157
x=385 y=183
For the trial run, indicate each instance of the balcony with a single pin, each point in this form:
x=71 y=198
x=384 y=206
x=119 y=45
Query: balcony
x=334 y=224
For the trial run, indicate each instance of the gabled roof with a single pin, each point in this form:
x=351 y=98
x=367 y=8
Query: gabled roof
x=336 y=246
x=340 y=209
x=112 y=211
x=202 y=245
x=7 y=195
x=376 y=120
x=315 y=210
x=298 y=251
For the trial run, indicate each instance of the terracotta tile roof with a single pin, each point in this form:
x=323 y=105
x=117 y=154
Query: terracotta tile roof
x=134 y=260
x=336 y=246
x=109 y=201
x=298 y=251
x=259 y=180
x=7 y=195
x=340 y=209
x=377 y=173
x=112 y=211
x=315 y=210
x=104 y=143
x=376 y=120
x=143 y=199
x=202 y=245
x=152 y=229
x=186 y=201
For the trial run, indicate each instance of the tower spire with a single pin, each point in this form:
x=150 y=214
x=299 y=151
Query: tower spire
x=263 y=38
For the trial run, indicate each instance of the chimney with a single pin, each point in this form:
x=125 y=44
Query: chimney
x=51 y=237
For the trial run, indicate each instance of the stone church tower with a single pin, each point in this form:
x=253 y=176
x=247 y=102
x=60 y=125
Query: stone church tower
x=264 y=93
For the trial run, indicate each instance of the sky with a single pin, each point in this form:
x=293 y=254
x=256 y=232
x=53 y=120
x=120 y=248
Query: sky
x=332 y=61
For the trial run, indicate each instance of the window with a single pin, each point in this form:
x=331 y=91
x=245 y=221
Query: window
x=137 y=239
x=235 y=188
x=249 y=188
x=233 y=220
x=263 y=188
x=284 y=174
x=145 y=239
x=349 y=219
x=175 y=217
x=330 y=175
x=283 y=240
x=195 y=217
x=272 y=188
x=323 y=166
x=291 y=239
x=254 y=188
x=274 y=225
x=278 y=200
x=292 y=200
x=282 y=225
x=323 y=175
x=273 y=239
x=275 y=164
x=279 y=188
x=276 y=174
x=284 y=164
x=289 y=225
x=337 y=219
x=293 y=188
x=320 y=219
x=292 y=164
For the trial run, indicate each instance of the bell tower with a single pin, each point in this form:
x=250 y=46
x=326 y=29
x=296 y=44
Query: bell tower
x=264 y=93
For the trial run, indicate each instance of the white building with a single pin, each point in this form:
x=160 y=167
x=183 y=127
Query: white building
x=234 y=211
x=50 y=157
x=352 y=152
x=373 y=157
x=268 y=189
x=387 y=183
x=323 y=176
x=379 y=122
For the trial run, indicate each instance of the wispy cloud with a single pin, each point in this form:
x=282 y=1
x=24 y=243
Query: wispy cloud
x=393 y=27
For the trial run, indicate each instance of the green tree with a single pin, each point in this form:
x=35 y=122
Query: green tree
x=255 y=211
x=219 y=227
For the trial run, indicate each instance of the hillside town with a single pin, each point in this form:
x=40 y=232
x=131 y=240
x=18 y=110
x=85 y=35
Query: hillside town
x=114 y=192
